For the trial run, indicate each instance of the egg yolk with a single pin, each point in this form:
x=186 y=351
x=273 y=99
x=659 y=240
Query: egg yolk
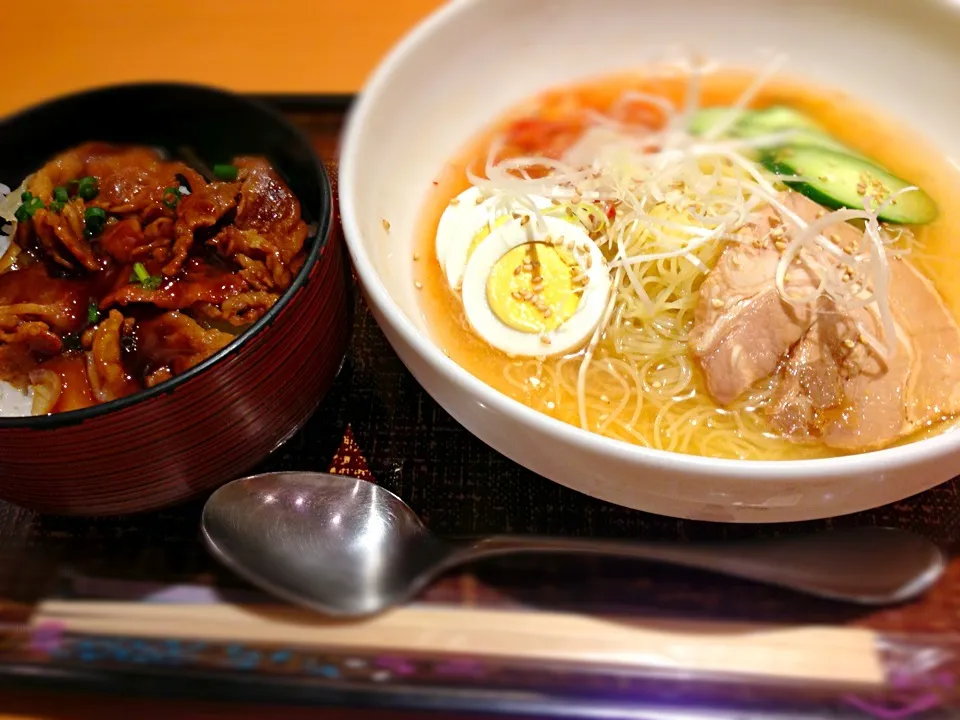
x=484 y=232
x=531 y=288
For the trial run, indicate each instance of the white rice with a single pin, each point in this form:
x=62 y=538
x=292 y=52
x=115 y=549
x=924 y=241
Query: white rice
x=13 y=403
x=6 y=228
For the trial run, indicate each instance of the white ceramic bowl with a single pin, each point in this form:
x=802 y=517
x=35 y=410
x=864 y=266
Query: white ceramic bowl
x=474 y=59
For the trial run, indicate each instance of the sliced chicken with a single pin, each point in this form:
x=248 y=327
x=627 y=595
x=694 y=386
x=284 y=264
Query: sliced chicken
x=743 y=327
x=837 y=390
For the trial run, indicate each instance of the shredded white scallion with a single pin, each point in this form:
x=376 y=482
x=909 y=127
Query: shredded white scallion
x=657 y=197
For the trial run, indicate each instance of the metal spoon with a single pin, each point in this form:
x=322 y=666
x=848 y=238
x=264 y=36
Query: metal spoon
x=347 y=547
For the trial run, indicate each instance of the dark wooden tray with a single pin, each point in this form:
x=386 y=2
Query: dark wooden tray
x=135 y=604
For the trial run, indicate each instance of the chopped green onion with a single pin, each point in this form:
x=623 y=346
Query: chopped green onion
x=95 y=218
x=171 y=197
x=140 y=275
x=88 y=187
x=93 y=313
x=225 y=172
x=30 y=205
x=60 y=198
x=152 y=282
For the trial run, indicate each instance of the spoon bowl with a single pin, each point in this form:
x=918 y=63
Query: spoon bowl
x=349 y=548
x=341 y=545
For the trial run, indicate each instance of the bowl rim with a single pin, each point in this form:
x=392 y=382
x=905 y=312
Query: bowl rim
x=318 y=240
x=876 y=462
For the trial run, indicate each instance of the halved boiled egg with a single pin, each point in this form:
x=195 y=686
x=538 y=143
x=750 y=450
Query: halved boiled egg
x=536 y=288
x=468 y=219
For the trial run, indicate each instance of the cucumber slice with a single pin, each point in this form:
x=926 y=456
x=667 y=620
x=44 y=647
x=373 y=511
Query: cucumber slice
x=771 y=120
x=778 y=118
x=774 y=119
x=836 y=179
x=816 y=139
x=706 y=118
x=751 y=123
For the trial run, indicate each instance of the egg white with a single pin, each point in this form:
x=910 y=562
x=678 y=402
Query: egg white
x=462 y=220
x=569 y=336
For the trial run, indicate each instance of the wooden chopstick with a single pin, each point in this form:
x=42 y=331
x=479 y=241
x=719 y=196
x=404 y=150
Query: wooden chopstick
x=847 y=656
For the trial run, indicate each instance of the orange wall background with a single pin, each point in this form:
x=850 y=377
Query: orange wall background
x=261 y=46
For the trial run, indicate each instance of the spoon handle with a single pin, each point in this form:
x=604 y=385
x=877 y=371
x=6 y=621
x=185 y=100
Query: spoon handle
x=863 y=565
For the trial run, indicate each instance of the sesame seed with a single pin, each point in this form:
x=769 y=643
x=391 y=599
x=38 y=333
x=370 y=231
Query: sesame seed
x=589 y=262
x=528 y=267
x=516 y=296
x=535 y=263
x=479 y=199
x=547 y=312
x=516 y=215
x=717 y=303
x=418 y=285
x=576 y=199
x=525 y=220
x=656 y=384
x=585 y=280
x=517 y=269
x=386 y=225
x=550 y=405
x=780 y=245
x=604 y=398
x=455 y=201
x=849 y=343
x=544 y=340
x=538 y=278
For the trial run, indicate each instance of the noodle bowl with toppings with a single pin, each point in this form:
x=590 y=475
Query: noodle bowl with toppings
x=725 y=264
